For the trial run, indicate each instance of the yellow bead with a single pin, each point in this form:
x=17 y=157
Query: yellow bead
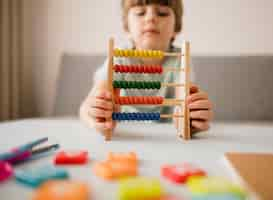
x=145 y=53
x=150 y=53
x=116 y=52
x=160 y=54
x=135 y=53
x=125 y=53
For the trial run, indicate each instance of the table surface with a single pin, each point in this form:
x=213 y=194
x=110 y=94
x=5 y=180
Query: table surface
x=155 y=145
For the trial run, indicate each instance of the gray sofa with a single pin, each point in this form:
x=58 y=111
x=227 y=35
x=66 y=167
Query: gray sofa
x=240 y=87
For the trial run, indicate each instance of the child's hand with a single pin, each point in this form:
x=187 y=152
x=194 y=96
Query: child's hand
x=200 y=107
x=101 y=108
x=200 y=110
x=96 y=109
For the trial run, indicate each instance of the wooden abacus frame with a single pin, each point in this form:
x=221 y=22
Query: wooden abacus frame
x=185 y=67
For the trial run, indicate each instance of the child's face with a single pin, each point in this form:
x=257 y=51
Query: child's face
x=151 y=26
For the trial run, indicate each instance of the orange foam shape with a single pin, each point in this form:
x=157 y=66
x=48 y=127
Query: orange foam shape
x=110 y=170
x=62 y=190
x=123 y=157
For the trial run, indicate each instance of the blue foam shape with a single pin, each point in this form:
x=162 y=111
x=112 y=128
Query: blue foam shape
x=35 y=177
x=217 y=197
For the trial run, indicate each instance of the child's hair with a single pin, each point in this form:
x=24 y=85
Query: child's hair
x=175 y=5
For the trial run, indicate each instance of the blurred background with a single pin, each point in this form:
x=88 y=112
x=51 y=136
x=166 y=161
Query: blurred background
x=38 y=38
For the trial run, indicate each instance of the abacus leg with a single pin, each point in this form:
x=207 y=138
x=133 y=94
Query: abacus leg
x=108 y=135
x=187 y=131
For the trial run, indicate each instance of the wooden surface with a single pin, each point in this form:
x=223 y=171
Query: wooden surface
x=255 y=170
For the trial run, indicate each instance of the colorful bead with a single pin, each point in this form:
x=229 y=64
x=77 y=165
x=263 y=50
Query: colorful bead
x=153 y=69
x=145 y=100
x=136 y=116
x=137 y=84
x=138 y=53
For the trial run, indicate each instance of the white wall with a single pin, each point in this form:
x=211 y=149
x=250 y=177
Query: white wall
x=215 y=27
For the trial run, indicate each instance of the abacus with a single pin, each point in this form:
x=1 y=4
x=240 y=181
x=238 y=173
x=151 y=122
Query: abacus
x=184 y=56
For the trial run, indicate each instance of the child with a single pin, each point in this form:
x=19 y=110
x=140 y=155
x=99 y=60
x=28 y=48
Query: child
x=150 y=24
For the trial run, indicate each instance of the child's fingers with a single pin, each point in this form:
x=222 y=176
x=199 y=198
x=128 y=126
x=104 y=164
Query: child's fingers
x=103 y=95
x=197 y=96
x=101 y=103
x=200 y=125
x=108 y=125
x=201 y=104
x=97 y=112
x=100 y=119
x=193 y=88
x=201 y=114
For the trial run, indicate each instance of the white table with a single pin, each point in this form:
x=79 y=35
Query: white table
x=155 y=144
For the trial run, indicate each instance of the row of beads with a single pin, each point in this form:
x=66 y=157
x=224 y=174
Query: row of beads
x=136 y=116
x=137 y=84
x=138 y=53
x=138 y=69
x=138 y=100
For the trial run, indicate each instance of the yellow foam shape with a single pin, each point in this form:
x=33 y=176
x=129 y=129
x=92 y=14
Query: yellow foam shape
x=139 y=188
x=214 y=185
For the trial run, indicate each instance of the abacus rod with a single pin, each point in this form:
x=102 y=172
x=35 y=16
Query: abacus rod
x=172 y=85
x=173 y=69
x=173 y=54
x=172 y=102
x=170 y=116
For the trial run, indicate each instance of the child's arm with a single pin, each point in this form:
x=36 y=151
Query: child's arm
x=97 y=107
x=200 y=107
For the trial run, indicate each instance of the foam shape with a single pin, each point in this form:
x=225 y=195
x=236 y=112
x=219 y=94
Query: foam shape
x=62 y=190
x=214 y=185
x=217 y=197
x=170 y=197
x=181 y=172
x=71 y=157
x=110 y=170
x=130 y=157
x=35 y=177
x=140 y=188
x=6 y=171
